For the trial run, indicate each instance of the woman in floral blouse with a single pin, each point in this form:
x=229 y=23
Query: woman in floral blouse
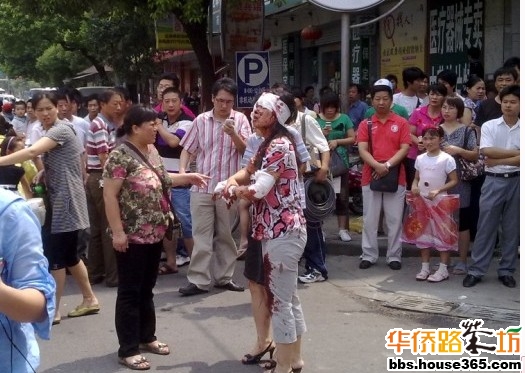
x=138 y=209
x=272 y=182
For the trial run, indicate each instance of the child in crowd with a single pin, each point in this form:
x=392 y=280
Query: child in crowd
x=435 y=175
x=19 y=121
x=12 y=175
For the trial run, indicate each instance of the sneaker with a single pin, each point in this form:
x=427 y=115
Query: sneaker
x=344 y=235
x=422 y=275
x=310 y=277
x=438 y=276
x=182 y=260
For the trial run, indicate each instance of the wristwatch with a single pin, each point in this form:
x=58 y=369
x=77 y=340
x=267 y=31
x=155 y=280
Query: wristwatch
x=388 y=165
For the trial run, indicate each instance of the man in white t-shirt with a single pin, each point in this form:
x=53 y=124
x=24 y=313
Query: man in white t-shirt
x=412 y=78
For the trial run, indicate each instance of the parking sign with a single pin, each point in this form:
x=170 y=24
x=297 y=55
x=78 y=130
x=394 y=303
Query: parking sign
x=253 y=76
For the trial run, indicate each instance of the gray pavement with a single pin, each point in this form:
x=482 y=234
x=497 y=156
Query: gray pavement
x=489 y=298
x=348 y=317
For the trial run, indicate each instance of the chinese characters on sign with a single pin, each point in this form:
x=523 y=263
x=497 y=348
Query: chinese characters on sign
x=454 y=27
x=402 y=40
x=243 y=27
x=360 y=57
x=444 y=341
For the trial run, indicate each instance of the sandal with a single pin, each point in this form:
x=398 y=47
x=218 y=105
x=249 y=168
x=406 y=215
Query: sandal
x=135 y=362
x=422 y=275
x=272 y=364
x=438 y=276
x=165 y=269
x=155 y=347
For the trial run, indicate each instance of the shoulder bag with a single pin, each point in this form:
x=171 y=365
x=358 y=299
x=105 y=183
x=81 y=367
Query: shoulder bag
x=337 y=164
x=389 y=182
x=469 y=170
x=173 y=222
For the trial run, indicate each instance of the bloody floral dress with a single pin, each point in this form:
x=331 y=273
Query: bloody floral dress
x=144 y=210
x=279 y=212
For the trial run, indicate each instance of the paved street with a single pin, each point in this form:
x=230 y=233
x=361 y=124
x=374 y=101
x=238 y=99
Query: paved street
x=348 y=317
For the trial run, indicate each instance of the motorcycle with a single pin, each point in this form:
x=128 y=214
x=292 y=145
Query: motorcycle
x=355 y=193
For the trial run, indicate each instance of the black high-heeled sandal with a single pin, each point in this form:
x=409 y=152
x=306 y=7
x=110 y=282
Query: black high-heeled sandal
x=255 y=359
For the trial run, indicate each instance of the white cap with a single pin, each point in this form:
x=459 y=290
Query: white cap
x=384 y=82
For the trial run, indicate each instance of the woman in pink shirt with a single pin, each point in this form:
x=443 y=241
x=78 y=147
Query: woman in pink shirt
x=421 y=119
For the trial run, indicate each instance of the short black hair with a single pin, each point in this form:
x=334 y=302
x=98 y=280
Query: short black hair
x=506 y=70
x=171 y=76
x=472 y=81
x=391 y=77
x=411 y=74
x=226 y=84
x=171 y=90
x=330 y=99
x=438 y=88
x=135 y=116
x=20 y=102
x=91 y=97
x=359 y=87
x=448 y=76
x=457 y=103
x=510 y=90
x=107 y=94
x=124 y=92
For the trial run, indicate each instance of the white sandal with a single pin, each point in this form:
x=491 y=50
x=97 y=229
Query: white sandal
x=438 y=276
x=422 y=275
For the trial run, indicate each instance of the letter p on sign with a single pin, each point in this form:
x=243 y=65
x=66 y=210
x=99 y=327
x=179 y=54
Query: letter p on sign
x=252 y=69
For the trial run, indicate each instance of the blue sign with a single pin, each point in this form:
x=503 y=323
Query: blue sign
x=253 y=76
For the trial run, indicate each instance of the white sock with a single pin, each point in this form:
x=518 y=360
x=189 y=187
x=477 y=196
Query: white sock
x=442 y=267
x=425 y=266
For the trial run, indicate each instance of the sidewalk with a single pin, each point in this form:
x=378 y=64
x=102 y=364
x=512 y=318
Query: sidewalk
x=489 y=299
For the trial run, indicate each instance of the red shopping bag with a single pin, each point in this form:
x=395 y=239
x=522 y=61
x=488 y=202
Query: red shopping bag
x=432 y=223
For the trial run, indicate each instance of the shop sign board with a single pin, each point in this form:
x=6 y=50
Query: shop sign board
x=454 y=27
x=403 y=42
x=170 y=34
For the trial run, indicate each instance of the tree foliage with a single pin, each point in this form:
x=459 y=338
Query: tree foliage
x=55 y=62
x=121 y=37
x=118 y=33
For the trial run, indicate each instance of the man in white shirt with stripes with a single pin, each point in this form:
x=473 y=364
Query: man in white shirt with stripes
x=218 y=139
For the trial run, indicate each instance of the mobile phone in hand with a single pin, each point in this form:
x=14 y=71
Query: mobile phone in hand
x=229 y=122
x=328 y=126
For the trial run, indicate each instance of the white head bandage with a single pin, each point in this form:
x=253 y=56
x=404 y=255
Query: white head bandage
x=274 y=103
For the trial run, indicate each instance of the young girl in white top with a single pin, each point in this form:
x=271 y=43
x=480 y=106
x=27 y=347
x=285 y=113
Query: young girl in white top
x=435 y=174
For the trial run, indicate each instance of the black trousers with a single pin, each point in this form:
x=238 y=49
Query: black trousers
x=135 y=319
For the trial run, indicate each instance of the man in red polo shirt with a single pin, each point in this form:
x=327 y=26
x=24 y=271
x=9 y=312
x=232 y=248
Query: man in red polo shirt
x=390 y=144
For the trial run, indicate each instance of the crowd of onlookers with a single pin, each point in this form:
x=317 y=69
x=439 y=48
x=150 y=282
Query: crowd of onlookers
x=121 y=179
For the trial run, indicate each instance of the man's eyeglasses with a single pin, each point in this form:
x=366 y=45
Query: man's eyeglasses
x=223 y=101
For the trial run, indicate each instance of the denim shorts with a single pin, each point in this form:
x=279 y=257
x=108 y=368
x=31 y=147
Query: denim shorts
x=180 y=199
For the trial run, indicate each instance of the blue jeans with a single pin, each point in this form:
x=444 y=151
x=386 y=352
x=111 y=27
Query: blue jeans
x=315 y=249
x=180 y=199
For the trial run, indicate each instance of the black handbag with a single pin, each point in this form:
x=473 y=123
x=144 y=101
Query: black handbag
x=389 y=182
x=337 y=165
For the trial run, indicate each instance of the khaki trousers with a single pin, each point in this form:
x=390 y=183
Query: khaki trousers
x=214 y=250
x=101 y=255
